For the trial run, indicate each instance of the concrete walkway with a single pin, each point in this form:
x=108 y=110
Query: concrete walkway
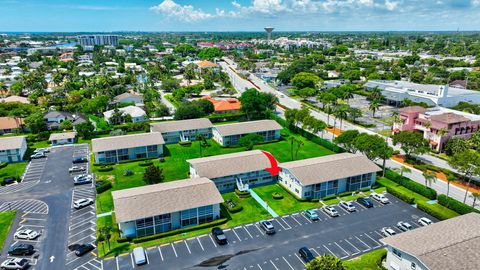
x=263 y=203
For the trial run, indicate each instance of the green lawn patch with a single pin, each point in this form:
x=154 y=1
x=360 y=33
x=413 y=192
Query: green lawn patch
x=252 y=211
x=368 y=261
x=331 y=201
x=6 y=219
x=288 y=204
x=13 y=169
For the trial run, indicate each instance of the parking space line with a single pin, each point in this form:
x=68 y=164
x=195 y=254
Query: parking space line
x=237 y=235
x=259 y=266
x=245 y=228
x=303 y=215
x=187 y=247
x=381 y=235
x=293 y=217
x=256 y=226
x=174 y=250
x=274 y=265
x=212 y=240
x=315 y=251
x=198 y=239
x=299 y=259
x=366 y=234
x=92 y=229
x=146 y=256
x=131 y=257
x=289 y=227
x=329 y=250
x=368 y=247
x=288 y=263
x=160 y=251
x=358 y=250
x=348 y=254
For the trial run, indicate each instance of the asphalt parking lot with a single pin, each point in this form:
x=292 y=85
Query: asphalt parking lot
x=346 y=236
x=31 y=177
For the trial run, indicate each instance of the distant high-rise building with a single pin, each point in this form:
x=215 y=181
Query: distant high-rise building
x=91 y=40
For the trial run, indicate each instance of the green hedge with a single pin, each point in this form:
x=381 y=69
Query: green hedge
x=3 y=164
x=427 y=208
x=145 y=163
x=104 y=187
x=277 y=196
x=106 y=168
x=235 y=209
x=329 y=197
x=455 y=205
x=412 y=185
x=178 y=231
x=189 y=143
x=242 y=194
x=124 y=161
x=401 y=195
x=346 y=193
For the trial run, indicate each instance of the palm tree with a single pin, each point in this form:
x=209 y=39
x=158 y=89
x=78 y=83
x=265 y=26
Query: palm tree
x=429 y=178
x=396 y=118
x=201 y=140
x=347 y=95
x=375 y=93
x=475 y=196
x=373 y=106
x=402 y=169
x=354 y=113
x=342 y=113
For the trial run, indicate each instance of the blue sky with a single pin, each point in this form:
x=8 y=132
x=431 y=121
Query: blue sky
x=238 y=15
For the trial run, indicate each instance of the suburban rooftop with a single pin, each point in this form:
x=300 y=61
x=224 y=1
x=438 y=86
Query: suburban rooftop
x=450 y=244
x=13 y=142
x=62 y=136
x=248 y=127
x=322 y=169
x=152 y=200
x=172 y=126
x=126 y=141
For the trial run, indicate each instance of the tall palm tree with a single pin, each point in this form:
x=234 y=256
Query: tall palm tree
x=201 y=140
x=373 y=106
x=347 y=95
x=429 y=178
x=402 y=169
x=475 y=196
x=342 y=113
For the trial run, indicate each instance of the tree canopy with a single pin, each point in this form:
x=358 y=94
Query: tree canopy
x=257 y=105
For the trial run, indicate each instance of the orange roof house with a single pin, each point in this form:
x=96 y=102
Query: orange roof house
x=65 y=57
x=10 y=124
x=229 y=105
x=206 y=64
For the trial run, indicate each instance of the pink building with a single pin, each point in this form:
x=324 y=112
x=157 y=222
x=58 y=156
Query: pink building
x=437 y=124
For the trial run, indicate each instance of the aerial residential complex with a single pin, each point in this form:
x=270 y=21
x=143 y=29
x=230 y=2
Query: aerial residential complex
x=230 y=134
x=162 y=207
x=437 y=124
x=12 y=149
x=433 y=95
x=450 y=244
x=183 y=130
x=117 y=148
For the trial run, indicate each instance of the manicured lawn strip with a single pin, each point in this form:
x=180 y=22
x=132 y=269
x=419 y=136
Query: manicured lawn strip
x=368 y=261
x=332 y=201
x=252 y=211
x=288 y=204
x=6 y=219
x=13 y=169
x=351 y=197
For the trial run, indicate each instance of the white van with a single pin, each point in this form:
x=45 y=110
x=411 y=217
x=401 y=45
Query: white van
x=139 y=256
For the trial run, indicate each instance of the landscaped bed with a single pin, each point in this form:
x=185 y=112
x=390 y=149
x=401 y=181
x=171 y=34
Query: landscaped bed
x=13 y=169
x=368 y=261
x=288 y=204
x=6 y=219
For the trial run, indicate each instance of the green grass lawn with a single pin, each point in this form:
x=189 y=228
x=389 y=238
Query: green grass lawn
x=288 y=204
x=252 y=211
x=368 y=261
x=6 y=219
x=13 y=169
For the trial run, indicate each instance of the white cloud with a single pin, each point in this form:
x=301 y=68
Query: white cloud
x=391 y=5
x=186 y=13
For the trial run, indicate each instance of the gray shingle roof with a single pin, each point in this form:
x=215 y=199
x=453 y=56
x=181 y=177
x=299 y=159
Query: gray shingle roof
x=126 y=141
x=322 y=169
x=172 y=126
x=62 y=136
x=147 y=201
x=230 y=164
x=247 y=127
x=14 y=142
x=449 y=244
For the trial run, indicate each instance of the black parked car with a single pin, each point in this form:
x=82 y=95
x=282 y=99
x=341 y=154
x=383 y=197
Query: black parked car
x=84 y=249
x=9 y=180
x=21 y=250
x=79 y=160
x=306 y=254
x=365 y=202
x=219 y=236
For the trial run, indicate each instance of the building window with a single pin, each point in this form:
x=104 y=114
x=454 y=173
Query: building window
x=189 y=217
x=397 y=253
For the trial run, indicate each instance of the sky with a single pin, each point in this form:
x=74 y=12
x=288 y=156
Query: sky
x=238 y=15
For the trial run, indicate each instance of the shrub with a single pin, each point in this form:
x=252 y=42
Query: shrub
x=346 y=193
x=365 y=189
x=277 y=196
x=401 y=195
x=3 y=164
x=242 y=194
x=104 y=187
x=105 y=168
x=455 y=205
x=103 y=164
x=396 y=152
x=411 y=185
x=127 y=173
x=433 y=211
x=178 y=231
x=188 y=143
x=235 y=209
x=162 y=160
x=329 y=197
x=146 y=163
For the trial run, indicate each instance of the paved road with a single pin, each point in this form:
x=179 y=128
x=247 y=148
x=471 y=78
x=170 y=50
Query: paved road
x=440 y=186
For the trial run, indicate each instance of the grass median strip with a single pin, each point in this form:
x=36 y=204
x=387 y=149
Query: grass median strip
x=6 y=219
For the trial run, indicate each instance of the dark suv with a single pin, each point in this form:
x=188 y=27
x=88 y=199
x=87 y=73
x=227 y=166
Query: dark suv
x=365 y=202
x=219 y=236
x=21 y=250
x=306 y=254
x=79 y=160
x=84 y=249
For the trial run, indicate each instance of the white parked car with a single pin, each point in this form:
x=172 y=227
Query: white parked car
x=26 y=234
x=76 y=169
x=79 y=204
x=386 y=231
x=404 y=226
x=348 y=205
x=425 y=221
x=380 y=198
x=15 y=263
x=330 y=210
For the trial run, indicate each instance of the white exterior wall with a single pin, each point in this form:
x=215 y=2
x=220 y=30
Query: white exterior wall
x=16 y=155
x=286 y=179
x=216 y=136
x=394 y=262
x=62 y=141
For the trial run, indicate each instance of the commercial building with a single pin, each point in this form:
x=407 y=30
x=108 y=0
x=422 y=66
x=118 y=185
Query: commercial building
x=449 y=244
x=230 y=134
x=62 y=138
x=92 y=40
x=127 y=147
x=168 y=206
x=230 y=171
x=319 y=177
x=183 y=130
x=438 y=124
x=12 y=149
x=433 y=95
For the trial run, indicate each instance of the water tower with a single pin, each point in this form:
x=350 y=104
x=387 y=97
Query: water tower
x=269 y=32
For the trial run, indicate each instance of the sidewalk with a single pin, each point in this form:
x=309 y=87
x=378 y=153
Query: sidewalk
x=263 y=203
